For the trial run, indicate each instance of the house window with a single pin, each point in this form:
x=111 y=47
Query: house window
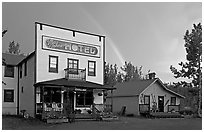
x=38 y=95
x=9 y=71
x=146 y=99
x=20 y=70
x=84 y=99
x=8 y=95
x=73 y=66
x=22 y=89
x=173 y=100
x=25 y=68
x=91 y=68
x=53 y=64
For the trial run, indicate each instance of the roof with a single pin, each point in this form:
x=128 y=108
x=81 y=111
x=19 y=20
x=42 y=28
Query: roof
x=136 y=87
x=74 y=83
x=12 y=59
x=27 y=57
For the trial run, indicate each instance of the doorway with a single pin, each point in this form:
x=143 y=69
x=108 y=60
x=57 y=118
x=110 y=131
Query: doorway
x=161 y=103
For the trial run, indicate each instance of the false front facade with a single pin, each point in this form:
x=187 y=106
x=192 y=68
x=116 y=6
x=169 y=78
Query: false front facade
x=64 y=74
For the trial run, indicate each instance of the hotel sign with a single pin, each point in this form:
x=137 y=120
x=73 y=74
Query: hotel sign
x=71 y=46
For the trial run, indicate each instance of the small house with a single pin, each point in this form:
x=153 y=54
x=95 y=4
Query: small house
x=139 y=96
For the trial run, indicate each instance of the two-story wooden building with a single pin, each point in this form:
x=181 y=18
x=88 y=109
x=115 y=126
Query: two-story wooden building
x=65 y=73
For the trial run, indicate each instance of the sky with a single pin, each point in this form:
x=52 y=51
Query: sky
x=146 y=34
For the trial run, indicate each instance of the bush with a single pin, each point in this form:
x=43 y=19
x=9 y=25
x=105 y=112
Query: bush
x=186 y=111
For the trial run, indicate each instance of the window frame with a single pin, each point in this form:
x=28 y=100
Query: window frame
x=85 y=98
x=13 y=71
x=73 y=69
x=148 y=99
x=6 y=98
x=91 y=73
x=173 y=103
x=51 y=69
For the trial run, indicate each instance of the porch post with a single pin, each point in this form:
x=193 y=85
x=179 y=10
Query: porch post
x=111 y=100
x=43 y=110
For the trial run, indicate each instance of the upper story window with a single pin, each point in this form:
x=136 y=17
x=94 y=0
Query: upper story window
x=91 y=68
x=173 y=100
x=53 y=64
x=25 y=68
x=73 y=66
x=9 y=71
x=8 y=95
x=20 y=71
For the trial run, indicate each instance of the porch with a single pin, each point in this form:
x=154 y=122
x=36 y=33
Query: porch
x=70 y=99
x=173 y=111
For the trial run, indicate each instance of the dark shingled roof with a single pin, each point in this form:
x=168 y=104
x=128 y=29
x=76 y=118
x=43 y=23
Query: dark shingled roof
x=11 y=59
x=135 y=87
x=74 y=83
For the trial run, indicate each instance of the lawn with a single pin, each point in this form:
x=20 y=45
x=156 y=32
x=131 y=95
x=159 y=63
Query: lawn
x=124 y=123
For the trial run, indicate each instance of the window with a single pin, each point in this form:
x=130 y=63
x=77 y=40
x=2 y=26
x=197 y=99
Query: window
x=22 y=89
x=25 y=68
x=73 y=66
x=9 y=71
x=91 y=68
x=51 y=95
x=20 y=70
x=146 y=99
x=84 y=98
x=8 y=95
x=53 y=64
x=173 y=100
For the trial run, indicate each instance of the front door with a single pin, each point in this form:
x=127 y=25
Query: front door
x=161 y=103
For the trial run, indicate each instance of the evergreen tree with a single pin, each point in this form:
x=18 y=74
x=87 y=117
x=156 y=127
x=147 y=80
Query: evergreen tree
x=14 y=48
x=131 y=72
x=191 y=69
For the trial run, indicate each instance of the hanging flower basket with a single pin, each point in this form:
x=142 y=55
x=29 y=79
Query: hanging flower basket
x=99 y=94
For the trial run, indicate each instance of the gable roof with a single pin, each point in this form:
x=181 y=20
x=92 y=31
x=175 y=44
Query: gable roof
x=11 y=59
x=136 y=87
x=74 y=83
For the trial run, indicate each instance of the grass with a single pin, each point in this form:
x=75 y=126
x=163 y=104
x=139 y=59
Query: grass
x=125 y=123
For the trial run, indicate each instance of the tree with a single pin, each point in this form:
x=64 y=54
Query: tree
x=131 y=72
x=110 y=74
x=14 y=48
x=191 y=69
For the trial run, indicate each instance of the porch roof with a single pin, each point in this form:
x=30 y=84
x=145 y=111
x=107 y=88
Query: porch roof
x=74 y=83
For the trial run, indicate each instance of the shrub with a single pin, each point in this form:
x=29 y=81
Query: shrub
x=186 y=111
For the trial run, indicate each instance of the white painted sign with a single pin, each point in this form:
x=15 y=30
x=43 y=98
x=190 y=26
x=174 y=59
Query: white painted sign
x=74 y=47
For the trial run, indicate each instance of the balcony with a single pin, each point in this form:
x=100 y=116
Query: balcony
x=78 y=74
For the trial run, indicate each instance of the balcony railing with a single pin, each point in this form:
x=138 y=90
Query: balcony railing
x=71 y=73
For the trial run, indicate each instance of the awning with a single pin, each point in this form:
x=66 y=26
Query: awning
x=74 y=83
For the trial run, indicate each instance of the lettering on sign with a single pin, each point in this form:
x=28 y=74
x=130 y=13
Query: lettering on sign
x=71 y=47
x=79 y=89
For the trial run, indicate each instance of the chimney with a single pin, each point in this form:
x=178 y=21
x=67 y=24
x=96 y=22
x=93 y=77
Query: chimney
x=152 y=75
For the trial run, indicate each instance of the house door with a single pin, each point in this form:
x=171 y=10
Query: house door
x=161 y=103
